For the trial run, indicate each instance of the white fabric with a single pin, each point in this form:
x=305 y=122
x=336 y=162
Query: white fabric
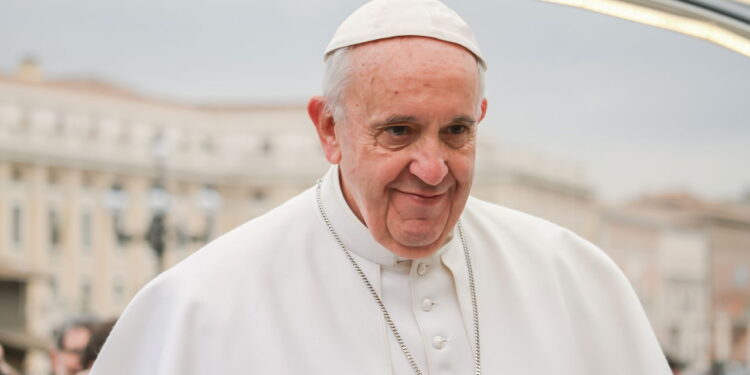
x=404 y=289
x=276 y=296
x=381 y=19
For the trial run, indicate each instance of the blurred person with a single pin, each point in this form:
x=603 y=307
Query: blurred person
x=386 y=265
x=99 y=334
x=5 y=367
x=71 y=339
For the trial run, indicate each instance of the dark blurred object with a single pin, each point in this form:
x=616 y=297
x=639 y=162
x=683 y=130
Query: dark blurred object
x=674 y=364
x=5 y=368
x=717 y=368
x=99 y=334
x=155 y=236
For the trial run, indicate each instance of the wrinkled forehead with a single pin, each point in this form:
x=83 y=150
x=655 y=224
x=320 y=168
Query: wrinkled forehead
x=411 y=53
x=409 y=75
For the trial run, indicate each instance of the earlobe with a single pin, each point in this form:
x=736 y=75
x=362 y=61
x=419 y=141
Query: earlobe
x=483 y=109
x=325 y=126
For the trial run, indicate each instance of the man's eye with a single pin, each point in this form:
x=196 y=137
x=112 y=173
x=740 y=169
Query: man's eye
x=457 y=129
x=397 y=130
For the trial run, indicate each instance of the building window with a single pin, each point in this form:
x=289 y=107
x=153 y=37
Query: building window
x=125 y=136
x=93 y=130
x=121 y=236
x=8 y=115
x=118 y=291
x=59 y=127
x=16 y=174
x=208 y=144
x=54 y=229
x=54 y=289
x=53 y=176
x=209 y=227
x=259 y=195
x=87 y=179
x=675 y=336
x=24 y=123
x=17 y=226
x=85 y=297
x=741 y=276
x=182 y=236
x=266 y=147
x=159 y=145
x=86 y=230
x=184 y=144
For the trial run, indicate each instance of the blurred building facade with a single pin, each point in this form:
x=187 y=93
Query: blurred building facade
x=86 y=167
x=689 y=262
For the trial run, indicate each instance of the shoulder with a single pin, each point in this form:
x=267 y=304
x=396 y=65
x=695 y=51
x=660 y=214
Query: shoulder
x=215 y=292
x=523 y=236
x=244 y=254
x=515 y=225
x=543 y=256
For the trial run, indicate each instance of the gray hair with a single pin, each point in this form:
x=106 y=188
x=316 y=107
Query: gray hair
x=338 y=70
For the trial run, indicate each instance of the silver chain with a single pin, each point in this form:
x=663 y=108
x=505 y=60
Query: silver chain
x=381 y=306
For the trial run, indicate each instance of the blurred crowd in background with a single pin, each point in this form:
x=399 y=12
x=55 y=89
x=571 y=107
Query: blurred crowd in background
x=77 y=344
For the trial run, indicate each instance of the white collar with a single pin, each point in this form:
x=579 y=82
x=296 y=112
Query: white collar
x=353 y=233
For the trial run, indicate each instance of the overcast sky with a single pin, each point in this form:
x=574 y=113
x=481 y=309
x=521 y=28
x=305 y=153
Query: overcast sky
x=643 y=109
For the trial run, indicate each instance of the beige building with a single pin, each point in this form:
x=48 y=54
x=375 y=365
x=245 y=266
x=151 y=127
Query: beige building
x=85 y=167
x=689 y=261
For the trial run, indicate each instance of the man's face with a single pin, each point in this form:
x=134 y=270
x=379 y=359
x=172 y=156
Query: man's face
x=407 y=143
x=69 y=357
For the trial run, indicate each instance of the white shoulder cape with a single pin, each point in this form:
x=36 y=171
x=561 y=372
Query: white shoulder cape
x=277 y=296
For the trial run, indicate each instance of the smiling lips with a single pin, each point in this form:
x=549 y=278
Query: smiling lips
x=423 y=198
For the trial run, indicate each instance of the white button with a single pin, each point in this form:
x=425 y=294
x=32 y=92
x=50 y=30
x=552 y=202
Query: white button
x=439 y=342
x=427 y=304
x=422 y=269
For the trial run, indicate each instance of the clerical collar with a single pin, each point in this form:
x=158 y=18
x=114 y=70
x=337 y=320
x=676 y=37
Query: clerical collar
x=354 y=234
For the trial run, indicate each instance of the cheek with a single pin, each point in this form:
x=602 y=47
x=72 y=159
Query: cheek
x=377 y=173
x=461 y=165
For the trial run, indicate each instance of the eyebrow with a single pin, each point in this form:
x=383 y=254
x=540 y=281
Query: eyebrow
x=461 y=119
x=396 y=120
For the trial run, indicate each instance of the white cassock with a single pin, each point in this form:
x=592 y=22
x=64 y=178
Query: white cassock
x=278 y=296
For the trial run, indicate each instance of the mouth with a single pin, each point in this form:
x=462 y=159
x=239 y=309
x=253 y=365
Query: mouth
x=426 y=198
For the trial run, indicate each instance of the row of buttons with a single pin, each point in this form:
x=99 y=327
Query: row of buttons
x=438 y=342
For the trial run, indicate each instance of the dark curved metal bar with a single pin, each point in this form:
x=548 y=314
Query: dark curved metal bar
x=745 y=19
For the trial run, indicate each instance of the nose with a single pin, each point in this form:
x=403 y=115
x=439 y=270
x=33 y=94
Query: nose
x=429 y=164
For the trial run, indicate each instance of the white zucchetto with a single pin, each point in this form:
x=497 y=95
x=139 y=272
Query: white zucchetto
x=381 y=19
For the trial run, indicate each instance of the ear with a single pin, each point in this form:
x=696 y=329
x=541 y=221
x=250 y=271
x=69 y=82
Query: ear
x=325 y=126
x=483 y=108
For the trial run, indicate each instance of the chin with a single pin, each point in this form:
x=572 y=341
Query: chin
x=414 y=252
x=417 y=239
x=416 y=245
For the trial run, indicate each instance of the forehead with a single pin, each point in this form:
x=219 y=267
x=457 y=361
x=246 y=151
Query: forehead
x=412 y=76
x=411 y=54
x=76 y=337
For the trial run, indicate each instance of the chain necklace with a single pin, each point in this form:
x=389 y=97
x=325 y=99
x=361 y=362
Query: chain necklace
x=381 y=306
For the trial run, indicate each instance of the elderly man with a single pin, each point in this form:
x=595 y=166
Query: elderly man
x=386 y=266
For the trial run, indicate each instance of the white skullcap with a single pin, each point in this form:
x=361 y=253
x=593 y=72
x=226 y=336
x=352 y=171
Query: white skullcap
x=381 y=19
